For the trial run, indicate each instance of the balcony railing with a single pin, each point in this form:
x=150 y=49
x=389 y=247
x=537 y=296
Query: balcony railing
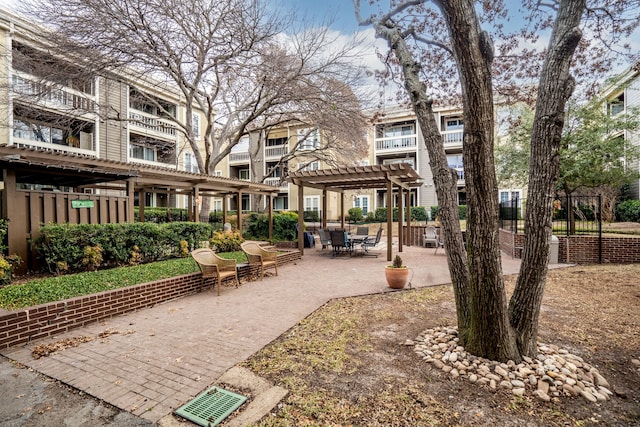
x=452 y=137
x=276 y=181
x=240 y=157
x=396 y=144
x=153 y=163
x=276 y=151
x=49 y=95
x=54 y=148
x=152 y=123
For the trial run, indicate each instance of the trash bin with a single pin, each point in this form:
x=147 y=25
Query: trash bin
x=554 y=246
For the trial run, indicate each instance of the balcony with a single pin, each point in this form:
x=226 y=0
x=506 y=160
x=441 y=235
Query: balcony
x=151 y=125
x=396 y=144
x=35 y=91
x=452 y=138
x=239 y=157
x=54 y=148
x=276 y=151
x=284 y=186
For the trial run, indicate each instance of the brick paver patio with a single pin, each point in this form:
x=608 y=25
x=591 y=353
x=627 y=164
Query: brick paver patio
x=152 y=361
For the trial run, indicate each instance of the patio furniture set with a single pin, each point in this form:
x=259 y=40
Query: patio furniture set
x=213 y=266
x=342 y=242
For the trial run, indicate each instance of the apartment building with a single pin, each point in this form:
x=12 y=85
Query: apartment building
x=49 y=103
x=394 y=138
x=622 y=95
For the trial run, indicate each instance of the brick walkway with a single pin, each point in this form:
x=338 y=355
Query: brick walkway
x=153 y=361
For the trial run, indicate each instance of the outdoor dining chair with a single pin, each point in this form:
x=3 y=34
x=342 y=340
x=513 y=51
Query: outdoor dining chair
x=371 y=243
x=339 y=242
x=257 y=255
x=325 y=241
x=212 y=266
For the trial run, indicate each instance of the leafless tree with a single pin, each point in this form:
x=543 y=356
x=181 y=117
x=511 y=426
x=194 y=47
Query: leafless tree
x=447 y=35
x=229 y=60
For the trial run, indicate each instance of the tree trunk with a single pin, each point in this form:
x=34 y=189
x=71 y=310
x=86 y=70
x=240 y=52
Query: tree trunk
x=444 y=180
x=556 y=86
x=490 y=334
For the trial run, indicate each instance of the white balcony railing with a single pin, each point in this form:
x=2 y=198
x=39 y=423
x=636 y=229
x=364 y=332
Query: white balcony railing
x=276 y=181
x=240 y=157
x=153 y=124
x=47 y=94
x=152 y=163
x=396 y=143
x=452 y=137
x=276 y=151
x=54 y=148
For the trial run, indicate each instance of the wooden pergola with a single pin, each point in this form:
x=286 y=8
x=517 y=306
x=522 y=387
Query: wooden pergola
x=26 y=210
x=399 y=175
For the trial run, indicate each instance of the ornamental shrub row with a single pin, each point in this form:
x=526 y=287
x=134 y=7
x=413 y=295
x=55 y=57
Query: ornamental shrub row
x=418 y=213
x=285 y=226
x=82 y=247
x=628 y=211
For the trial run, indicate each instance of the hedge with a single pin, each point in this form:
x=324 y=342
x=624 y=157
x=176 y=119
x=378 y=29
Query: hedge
x=628 y=211
x=80 y=247
x=418 y=213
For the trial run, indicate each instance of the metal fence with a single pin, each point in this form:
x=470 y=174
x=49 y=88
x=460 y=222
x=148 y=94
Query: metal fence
x=572 y=215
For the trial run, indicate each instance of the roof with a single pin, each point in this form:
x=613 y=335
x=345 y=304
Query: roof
x=358 y=177
x=37 y=166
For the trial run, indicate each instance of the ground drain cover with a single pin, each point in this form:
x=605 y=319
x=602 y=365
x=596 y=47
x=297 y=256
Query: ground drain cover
x=211 y=407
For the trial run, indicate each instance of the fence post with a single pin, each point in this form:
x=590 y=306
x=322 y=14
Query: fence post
x=599 y=228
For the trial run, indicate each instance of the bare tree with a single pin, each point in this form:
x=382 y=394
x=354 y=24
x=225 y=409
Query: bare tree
x=228 y=60
x=448 y=33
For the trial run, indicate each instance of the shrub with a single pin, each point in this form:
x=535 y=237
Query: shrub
x=7 y=265
x=62 y=246
x=355 y=214
x=462 y=212
x=226 y=241
x=4 y=227
x=628 y=211
x=284 y=226
x=311 y=216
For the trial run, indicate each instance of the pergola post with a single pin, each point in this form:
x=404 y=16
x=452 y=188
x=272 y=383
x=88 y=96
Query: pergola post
x=239 y=206
x=400 y=219
x=389 y=219
x=301 y=218
x=224 y=210
x=142 y=200
x=196 y=205
x=408 y=207
x=270 y=201
x=342 y=209
x=324 y=208
x=130 y=185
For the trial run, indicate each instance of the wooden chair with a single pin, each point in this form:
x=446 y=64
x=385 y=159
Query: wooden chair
x=256 y=254
x=211 y=265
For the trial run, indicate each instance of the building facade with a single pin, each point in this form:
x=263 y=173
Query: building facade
x=49 y=103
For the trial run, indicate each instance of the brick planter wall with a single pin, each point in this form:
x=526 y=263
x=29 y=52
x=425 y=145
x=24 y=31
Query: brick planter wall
x=46 y=320
x=582 y=249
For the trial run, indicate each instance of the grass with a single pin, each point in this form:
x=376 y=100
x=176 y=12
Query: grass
x=49 y=289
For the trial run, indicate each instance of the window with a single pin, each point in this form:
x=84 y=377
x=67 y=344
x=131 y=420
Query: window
x=616 y=105
x=508 y=195
x=312 y=203
x=195 y=123
x=218 y=173
x=190 y=163
x=25 y=129
x=313 y=166
x=452 y=123
x=217 y=204
x=402 y=130
x=244 y=174
x=281 y=203
x=361 y=202
x=272 y=142
x=308 y=140
x=143 y=153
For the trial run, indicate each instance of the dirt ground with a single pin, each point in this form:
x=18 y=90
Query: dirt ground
x=348 y=365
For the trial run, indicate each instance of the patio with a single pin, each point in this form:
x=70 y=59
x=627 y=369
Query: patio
x=152 y=361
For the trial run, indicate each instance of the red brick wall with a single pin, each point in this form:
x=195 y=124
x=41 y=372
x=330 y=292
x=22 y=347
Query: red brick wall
x=582 y=249
x=23 y=326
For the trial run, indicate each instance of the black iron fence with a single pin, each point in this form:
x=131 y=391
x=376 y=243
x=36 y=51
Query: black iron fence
x=572 y=215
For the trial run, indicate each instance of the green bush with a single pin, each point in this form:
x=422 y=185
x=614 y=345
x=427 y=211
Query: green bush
x=4 y=227
x=418 y=213
x=355 y=214
x=62 y=246
x=371 y=216
x=628 y=211
x=226 y=241
x=311 y=216
x=462 y=212
x=161 y=215
x=284 y=226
